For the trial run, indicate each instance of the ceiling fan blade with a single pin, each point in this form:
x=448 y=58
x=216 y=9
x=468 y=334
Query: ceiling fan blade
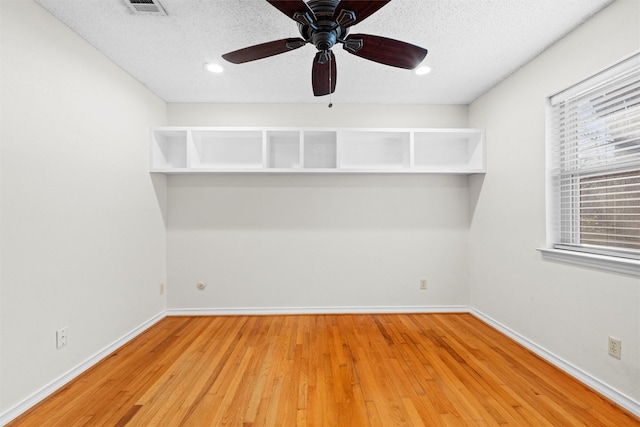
x=361 y=9
x=323 y=75
x=295 y=9
x=263 y=50
x=385 y=51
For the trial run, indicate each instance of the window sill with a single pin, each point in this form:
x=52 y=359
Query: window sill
x=602 y=262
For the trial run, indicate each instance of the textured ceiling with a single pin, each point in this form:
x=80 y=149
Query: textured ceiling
x=473 y=44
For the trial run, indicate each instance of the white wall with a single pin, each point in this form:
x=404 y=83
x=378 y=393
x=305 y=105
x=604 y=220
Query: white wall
x=305 y=242
x=83 y=237
x=568 y=310
x=350 y=115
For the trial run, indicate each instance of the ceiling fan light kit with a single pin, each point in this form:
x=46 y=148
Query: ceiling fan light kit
x=325 y=23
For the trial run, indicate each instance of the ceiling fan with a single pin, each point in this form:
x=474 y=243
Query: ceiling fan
x=324 y=23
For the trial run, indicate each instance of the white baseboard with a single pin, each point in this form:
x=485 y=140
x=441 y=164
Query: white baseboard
x=614 y=395
x=265 y=311
x=619 y=398
x=65 y=378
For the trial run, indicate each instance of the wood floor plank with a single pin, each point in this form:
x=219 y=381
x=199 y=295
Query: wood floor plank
x=324 y=370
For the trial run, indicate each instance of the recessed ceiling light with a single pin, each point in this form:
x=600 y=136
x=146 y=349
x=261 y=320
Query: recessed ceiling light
x=421 y=71
x=213 y=67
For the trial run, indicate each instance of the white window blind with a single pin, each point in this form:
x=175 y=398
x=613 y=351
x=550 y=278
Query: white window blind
x=595 y=136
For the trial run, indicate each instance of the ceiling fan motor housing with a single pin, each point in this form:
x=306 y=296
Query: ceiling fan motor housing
x=324 y=40
x=325 y=23
x=325 y=32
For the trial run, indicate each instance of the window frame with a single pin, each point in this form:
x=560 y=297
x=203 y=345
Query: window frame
x=615 y=259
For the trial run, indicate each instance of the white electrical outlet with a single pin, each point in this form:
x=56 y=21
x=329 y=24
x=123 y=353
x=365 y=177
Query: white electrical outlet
x=615 y=348
x=61 y=337
x=423 y=284
x=161 y=288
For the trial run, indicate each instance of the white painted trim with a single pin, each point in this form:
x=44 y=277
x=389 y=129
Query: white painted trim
x=616 y=264
x=611 y=393
x=65 y=378
x=619 y=398
x=264 y=311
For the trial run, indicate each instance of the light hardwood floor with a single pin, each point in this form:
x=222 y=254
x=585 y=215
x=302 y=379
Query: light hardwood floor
x=324 y=370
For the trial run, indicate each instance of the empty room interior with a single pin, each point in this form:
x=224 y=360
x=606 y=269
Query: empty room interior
x=315 y=234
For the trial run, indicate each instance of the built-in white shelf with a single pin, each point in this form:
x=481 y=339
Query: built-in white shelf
x=313 y=150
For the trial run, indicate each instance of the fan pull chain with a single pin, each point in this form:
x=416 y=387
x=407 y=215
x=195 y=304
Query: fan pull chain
x=330 y=91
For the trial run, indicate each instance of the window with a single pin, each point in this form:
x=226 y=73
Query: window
x=594 y=136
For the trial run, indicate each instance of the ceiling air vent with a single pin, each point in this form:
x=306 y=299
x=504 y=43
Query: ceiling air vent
x=145 y=7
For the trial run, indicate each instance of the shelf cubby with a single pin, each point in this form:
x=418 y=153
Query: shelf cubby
x=227 y=149
x=374 y=150
x=283 y=149
x=169 y=149
x=320 y=149
x=448 y=150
